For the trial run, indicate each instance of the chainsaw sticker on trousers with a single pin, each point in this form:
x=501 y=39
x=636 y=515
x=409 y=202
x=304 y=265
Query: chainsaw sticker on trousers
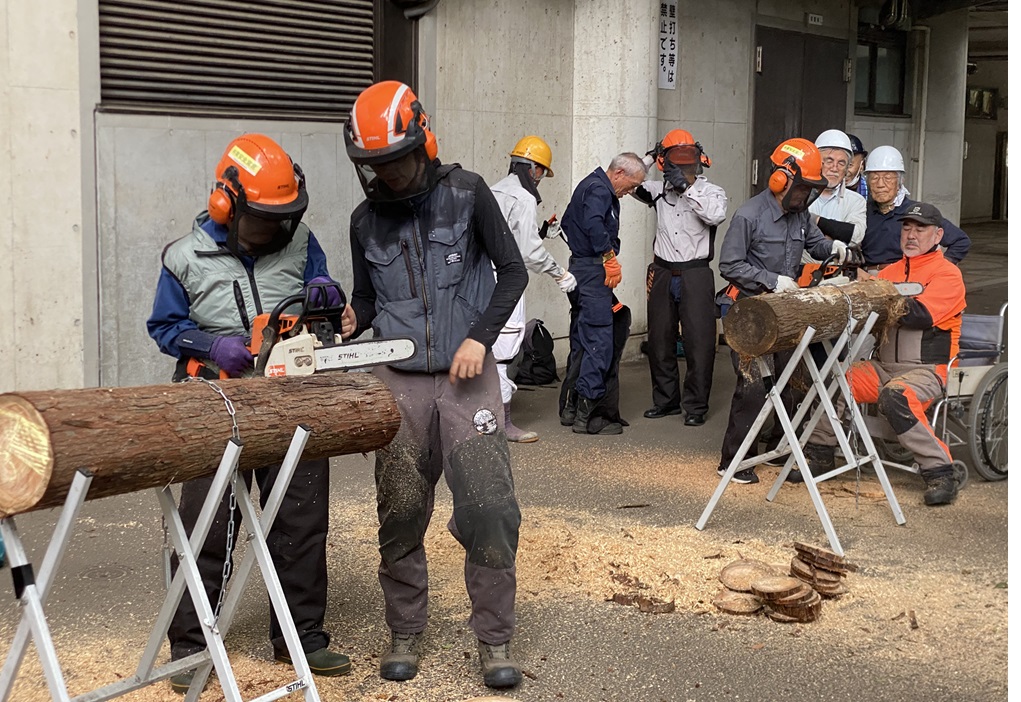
x=485 y=421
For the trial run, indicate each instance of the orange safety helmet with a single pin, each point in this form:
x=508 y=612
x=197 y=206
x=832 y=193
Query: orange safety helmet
x=796 y=160
x=256 y=176
x=387 y=121
x=680 y=148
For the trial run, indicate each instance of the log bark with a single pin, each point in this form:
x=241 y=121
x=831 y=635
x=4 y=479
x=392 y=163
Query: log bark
x=765 y=324
x=141 y=437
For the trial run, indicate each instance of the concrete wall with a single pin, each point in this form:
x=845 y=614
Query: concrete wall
x=41 y=211
x=980 y=135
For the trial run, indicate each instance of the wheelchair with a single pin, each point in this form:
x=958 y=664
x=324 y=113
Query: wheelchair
x=972 y=412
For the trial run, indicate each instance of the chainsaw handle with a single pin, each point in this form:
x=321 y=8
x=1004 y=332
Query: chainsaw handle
x=271 y=332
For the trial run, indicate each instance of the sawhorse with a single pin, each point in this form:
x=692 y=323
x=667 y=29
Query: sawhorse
x=834 y=371
x=31 y=592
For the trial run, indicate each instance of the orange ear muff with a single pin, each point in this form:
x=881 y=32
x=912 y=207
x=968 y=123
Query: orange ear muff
x=222 y=199
x=778 y=181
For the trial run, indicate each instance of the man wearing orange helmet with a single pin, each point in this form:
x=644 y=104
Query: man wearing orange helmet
x=761 y=253
x=424 y=245
x=248 y=251
x=518 y=197
x=679 y=283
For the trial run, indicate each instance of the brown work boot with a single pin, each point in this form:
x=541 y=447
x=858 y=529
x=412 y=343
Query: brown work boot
x=401 y=663
x=515 y=434
x=940 y=486
x=499 y=670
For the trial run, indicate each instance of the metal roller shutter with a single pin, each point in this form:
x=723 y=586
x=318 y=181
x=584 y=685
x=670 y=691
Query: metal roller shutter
x=296 y=59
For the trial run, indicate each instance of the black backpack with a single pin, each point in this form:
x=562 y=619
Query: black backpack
x=535 y=363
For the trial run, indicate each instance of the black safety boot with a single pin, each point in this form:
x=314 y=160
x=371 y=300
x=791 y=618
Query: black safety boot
x=499 y=670
x=401 y=663
x=570 y=408
x=323 y=662
x=940 y=485
x=585 y=407
x=820 y=458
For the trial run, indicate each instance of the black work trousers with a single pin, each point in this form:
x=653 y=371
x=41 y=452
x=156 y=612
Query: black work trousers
x=749 y=396
x=297 y=544
x=681 y=293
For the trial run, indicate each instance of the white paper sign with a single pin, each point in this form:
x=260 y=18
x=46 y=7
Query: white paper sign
x=668 y=45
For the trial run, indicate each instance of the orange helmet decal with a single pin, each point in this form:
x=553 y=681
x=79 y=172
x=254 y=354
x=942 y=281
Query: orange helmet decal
x=387 y=121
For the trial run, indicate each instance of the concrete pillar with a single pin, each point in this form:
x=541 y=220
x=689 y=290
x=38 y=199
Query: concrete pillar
x=615 y=96
x=41 y=144
x=941 y=140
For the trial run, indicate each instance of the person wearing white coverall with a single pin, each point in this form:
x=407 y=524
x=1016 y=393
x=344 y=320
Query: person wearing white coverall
x=518 y=197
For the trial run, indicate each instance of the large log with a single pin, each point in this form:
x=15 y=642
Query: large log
x=764 y=324
x=141 y=437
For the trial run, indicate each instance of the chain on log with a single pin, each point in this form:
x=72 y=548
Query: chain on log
x=134 y=438
x=765 y=324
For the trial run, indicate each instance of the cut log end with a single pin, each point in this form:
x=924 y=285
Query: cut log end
x=26 y=455
x=752 y=325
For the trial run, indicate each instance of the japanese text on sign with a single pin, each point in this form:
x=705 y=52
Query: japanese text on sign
x=668 y=45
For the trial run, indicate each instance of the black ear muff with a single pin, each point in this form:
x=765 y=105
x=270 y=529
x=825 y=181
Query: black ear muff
x=223 y=198
x=299 y=175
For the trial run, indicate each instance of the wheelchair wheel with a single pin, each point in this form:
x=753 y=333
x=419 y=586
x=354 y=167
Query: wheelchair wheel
x=891 y=450
x=987 y=421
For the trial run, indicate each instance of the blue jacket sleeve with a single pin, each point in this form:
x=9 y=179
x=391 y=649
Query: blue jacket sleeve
x=169 y=316
x=315 y=263
x=956 y=242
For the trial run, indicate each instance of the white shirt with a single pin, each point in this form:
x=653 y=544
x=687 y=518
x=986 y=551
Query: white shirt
x=842 y=205
x=519 y=209
x=683 y=220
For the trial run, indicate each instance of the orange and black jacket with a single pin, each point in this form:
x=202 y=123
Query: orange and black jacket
x=928 y=334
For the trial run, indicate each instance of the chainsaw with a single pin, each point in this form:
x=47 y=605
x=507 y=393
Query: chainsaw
x=308 y=342
x=830 y=273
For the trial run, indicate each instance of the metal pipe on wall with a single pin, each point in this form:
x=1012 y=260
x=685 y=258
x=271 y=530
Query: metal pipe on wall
x=922 y=115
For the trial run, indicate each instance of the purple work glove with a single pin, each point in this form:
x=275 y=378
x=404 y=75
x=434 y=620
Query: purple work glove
x=333 y=296
x=231 y=354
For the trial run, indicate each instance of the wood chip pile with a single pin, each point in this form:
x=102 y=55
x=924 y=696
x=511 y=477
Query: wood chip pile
x=792 y=596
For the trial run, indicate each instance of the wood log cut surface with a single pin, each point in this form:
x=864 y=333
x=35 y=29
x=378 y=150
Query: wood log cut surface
x=739 y=575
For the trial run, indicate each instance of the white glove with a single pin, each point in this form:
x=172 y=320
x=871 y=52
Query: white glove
x=784 y=284
x=567 y=282
x=648 y=161
x=840 y=249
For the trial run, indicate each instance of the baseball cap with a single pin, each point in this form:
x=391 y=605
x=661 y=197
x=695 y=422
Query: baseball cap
x=924 y=213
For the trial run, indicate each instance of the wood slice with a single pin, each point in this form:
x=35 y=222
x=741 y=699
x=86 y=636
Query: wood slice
x=822 y=558
x=739 y=575
x=805 y=611
x=823 y=553
x=763 y=324
x=624 y=598
x=737 y=602
x=813 y=575
x=782 y=618
x=831 y=592
x=775 y=587
x=803 y=595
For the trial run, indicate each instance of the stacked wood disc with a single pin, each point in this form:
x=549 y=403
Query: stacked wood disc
x=788 y=599
x=822 y=569
x=738 y=577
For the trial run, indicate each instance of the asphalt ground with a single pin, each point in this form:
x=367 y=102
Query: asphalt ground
x=584 y=501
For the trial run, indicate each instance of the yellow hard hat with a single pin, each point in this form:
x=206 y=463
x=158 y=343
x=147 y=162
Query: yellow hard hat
x=535 y=149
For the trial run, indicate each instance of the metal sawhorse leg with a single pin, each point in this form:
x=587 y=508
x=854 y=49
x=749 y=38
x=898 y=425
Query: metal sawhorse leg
x=32 y=595
x=834 y=369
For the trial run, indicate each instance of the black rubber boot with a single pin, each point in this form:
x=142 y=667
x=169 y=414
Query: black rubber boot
x=570 y=408
x=820 y=458
x=940 y=485
x=581 y=417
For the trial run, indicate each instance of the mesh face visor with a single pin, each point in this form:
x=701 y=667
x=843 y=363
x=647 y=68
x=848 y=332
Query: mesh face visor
x=396 y=179
x=260 y=230
x=800 y=196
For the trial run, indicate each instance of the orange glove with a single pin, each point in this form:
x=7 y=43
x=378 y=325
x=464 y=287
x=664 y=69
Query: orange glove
x=612 y=267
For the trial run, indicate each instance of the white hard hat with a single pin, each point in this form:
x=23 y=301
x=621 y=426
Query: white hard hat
x=834 y=139
x=884 y=158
